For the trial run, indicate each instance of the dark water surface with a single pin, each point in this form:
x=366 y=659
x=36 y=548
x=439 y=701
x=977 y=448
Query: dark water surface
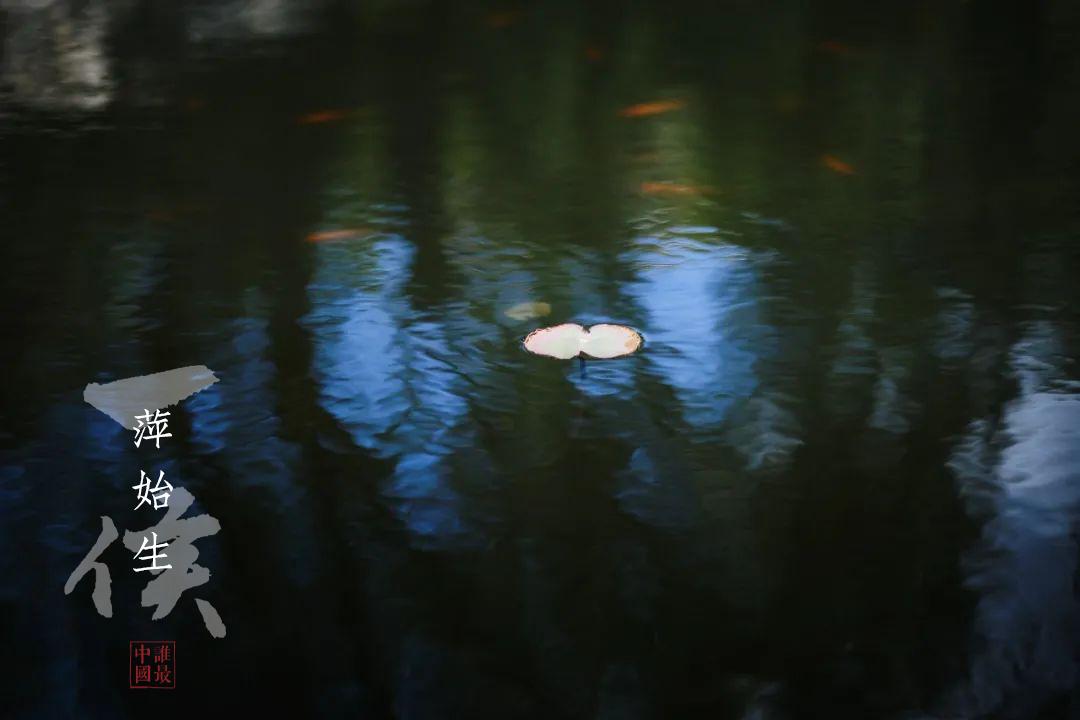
x=841 y=480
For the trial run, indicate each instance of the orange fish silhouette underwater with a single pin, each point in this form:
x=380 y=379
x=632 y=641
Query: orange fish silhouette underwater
x=344 y=234
x=504 y=19
x=648 y=109
x=675 y=189
x=321 y=117
x=837 y=48
x=837 y=165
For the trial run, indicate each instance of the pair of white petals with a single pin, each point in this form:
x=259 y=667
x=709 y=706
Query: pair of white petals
x=569 y=340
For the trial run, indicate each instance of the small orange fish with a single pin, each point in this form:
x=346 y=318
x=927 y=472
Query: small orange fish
x=837 y=165
x=499 y=20
x=194 y=104
x=322 y=116
x=594 y=53
x=330 y=235
x=670 y=188
x=652 y=108
x=837 y=48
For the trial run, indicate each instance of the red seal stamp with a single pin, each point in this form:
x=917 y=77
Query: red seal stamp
x=152 y=664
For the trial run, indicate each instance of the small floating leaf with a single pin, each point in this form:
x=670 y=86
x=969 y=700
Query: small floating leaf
x=528 y=311
x=566 y=341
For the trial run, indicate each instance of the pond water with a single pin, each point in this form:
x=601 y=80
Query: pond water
x=840 y=479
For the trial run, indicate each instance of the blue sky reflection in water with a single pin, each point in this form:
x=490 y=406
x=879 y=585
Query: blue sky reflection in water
x=839 y=480
x=391 y=377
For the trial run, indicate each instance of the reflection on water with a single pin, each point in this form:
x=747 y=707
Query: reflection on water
x=1021 y=474
x=55 y=54
x=695 y=314
x=839 y=479
x=394 y=378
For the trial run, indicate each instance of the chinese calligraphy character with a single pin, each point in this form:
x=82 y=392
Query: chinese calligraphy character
x=142 y=674
x=181 y=574
x=102 y=580
x=153 y=557
x=161 y=498
x=162 y=675
x=151 y=428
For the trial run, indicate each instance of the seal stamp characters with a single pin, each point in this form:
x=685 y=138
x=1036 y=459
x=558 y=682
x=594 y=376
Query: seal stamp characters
x=152 y=664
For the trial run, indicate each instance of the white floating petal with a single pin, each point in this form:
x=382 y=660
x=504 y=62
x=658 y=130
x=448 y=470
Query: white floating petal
x=569 y=340
x=610 y=341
